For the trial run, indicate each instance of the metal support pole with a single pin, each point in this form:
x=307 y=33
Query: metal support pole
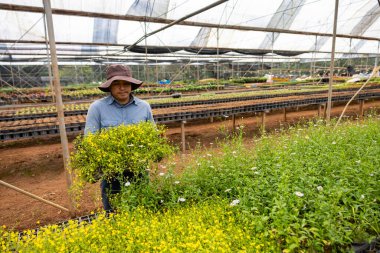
x=329 y=98
x=146 y=55
x=57 y=91
x=198 y=78
x=33 y=196
x=217 y=55
x=156 y=70
x=183 y=140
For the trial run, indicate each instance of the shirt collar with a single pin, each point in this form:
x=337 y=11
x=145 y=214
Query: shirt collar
x=133 y=100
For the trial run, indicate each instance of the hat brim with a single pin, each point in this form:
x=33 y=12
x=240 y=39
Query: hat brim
x=106 y=85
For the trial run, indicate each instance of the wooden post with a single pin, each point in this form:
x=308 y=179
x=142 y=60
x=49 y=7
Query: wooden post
x=319 y=110
x=325 y=111
x=183 y=137
x=361 y=109
x=57 y=92
x=233 y=123
x=211 y=119
x=33 y=196
x=263 y=115
x=284 y=110
x=48 y=64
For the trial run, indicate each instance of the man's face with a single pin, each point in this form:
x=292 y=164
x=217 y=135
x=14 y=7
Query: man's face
x=121 y=90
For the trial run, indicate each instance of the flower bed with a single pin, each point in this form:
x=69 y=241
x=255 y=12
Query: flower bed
x=309 y=189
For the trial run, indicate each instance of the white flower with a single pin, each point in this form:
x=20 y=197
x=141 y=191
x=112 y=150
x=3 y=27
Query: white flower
x=227 y=190
x=211 y=143
x=161 y=174
x=362 y=196
x=212 y=166
x=127 y=183
x=141 y=146
x=147 y=169
x=293 y=153
x=233 y=152
x=256 y=173
x=358 y=161
x=163 y=166
x=161 y=201
x=209 y=154
x=253 y=168
x=235 y=202
x=176 y=182
x=371 y=174
x=319 y=188
x=181 y=199
x=333 y=143
x=198 y=164
x=299 y=194
x=130 y=145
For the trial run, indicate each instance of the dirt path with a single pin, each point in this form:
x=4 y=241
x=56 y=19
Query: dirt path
x=37 y=166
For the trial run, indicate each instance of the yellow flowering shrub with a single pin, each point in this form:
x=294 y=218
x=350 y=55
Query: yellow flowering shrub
x=200 y=228
x=109 y=152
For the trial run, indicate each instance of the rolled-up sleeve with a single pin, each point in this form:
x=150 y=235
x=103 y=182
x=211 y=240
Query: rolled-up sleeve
x=92 y=119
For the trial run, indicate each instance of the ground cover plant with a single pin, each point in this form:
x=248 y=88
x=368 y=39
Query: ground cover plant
x=311 y=189
x=209 y=227
x=308 y=189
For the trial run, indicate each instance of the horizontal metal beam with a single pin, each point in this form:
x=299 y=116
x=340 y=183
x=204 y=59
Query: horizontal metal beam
x=24 y=8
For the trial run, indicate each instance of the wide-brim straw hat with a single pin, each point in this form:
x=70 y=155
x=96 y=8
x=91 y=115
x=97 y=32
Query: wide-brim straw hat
x=119 y=72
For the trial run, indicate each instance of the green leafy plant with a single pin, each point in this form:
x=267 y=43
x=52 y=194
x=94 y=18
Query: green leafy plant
x=309 y=188
x=109 y=152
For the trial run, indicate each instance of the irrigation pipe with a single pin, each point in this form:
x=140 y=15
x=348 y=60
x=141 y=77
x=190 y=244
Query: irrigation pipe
x=33 y=196
x=375 y=70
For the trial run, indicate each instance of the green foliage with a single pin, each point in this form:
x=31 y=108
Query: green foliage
x=110 y=152
x=210 y=227
x=311 y=189
x=249 y=80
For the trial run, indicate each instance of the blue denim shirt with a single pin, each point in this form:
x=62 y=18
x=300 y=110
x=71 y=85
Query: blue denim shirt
x=107 y=112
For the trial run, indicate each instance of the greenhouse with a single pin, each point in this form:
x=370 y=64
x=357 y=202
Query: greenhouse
x=190 y=126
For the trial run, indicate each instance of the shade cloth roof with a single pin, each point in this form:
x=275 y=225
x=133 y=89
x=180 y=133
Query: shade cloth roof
x=99 y=29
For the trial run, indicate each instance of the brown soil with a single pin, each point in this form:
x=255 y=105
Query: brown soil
x=36 y=166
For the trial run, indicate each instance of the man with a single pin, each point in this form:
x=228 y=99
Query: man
x=120 y=107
